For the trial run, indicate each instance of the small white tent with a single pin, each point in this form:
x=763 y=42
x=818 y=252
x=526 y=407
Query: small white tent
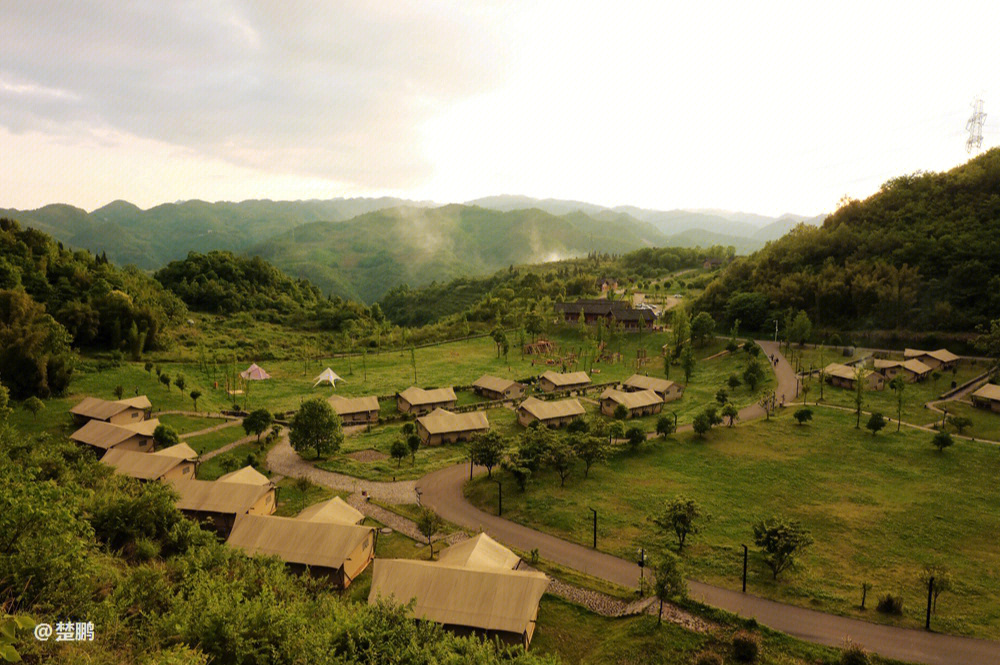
x=327 y=376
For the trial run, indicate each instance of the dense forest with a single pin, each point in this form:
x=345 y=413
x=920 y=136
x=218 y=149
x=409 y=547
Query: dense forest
x=80 y=543
x=51 y=298
x=223 y=283
x=923 y=253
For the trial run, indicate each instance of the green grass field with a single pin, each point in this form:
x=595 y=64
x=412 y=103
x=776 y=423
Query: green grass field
x=985 y=423
x=878 y=507
x=204 y=443
x=186 y=424
x=215 y=467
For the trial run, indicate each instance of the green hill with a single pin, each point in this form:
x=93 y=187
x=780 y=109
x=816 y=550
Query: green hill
x=923 y=253
x=365 y=257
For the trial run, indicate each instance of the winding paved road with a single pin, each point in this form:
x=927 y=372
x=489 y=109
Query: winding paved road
x=442 y=492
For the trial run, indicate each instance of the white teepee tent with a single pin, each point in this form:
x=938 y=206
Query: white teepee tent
x=327 y=376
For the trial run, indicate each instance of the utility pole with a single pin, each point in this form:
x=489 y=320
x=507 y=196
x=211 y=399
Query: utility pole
x=745 y=551
x=595 y=526
x=930 y=596
x=975 y=126
x=499 y=497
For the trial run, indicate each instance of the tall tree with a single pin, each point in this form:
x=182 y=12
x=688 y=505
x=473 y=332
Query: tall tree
x=316 y=427
x=780 y=542
x=682 y=516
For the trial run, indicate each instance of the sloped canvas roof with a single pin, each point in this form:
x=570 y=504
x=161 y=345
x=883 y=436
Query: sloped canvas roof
x=643 y=382
x=941 y=355
x=488 y=599
x=915 y=366
x=840 y=371
x=632 y=400
x=100 y=409
x=479 y=552
x=990 y=391
x=145 y=466
x=181 y=450
x=559 y=408
x=325 y=544
x=567 y=379
x=415 y=395
x=347 y=405
x=335 y=510
x=215 y=497
x=881 y=363
x=255 y=373
x=245 y=476
x=327 y=376
x=440 y=421
x=493 y=383
x=100 y=434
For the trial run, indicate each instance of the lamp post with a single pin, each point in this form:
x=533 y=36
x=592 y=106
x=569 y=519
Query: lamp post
x=642 y=567
x=499 y=497
x=595 y=526
x=930 y=596
x=745 y=568
x=776 y=330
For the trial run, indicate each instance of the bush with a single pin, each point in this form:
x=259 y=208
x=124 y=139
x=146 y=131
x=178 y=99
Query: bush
x=854 y=655
x=746 y=647
x=890 y=604
x=145 y=549
x=708 y=658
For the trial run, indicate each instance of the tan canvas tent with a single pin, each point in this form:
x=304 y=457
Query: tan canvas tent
x=419 y=401
x=441 y=426
x=497 y=603
x=335 y=510
x=550 y=381
x=149 y=466
x=338 y=551
x=118 y=412
x=104 y=436
x=638 y=402
x=182 y=450
x=667 y=390
x=553 y=413
x=327 y=376
x=246 y=476
x=493 y=387
x=219 y=503
x=987 y=397
x=479 y=552
x=255 y=373
x=355 y=410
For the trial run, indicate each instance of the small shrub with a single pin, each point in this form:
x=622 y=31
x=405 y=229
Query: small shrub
x=746 y=647
x=145 y=549
x=708 y=658
x=890 y=604
x=854 y=655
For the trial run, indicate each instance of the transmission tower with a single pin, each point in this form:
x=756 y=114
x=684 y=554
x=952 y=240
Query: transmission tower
x=975 y=126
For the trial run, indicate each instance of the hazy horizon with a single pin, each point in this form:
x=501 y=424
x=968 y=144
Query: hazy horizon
x=767 y=109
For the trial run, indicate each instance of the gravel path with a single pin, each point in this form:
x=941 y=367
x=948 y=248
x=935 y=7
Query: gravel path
x=399 y=523
x=284 y=460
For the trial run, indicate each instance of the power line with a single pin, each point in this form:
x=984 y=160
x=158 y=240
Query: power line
x=975 y=126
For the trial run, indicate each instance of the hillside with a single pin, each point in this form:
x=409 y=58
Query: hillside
x=921 y=253
x=150 y=238
x=367 y=256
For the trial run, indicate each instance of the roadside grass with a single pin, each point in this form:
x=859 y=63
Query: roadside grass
x=292 y=500
x=184 y=424
x=215 y=467
x=204 y=443
x=985 y=423
x=879 y=507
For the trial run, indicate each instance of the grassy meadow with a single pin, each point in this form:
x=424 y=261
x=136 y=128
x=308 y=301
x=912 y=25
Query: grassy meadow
x=879 y=507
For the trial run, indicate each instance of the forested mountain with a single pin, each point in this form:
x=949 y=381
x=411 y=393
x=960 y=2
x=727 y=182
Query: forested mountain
x=365 y=257
x=224 y=283
x=51 y=297
x=150 y=238
x=921 y=253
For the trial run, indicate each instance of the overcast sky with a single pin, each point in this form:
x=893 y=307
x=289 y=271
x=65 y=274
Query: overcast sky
x=762 y=107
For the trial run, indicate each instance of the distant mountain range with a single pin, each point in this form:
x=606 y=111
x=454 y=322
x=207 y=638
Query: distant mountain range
x=362 y=247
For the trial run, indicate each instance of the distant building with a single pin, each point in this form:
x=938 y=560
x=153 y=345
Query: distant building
x=419 y=401
x=987 y=397
x=441 y=426
x=639 y=403
x=712 y=263
x=941 y=359
x=911 y=370
x=120 y=412
x=492 y=387
x=356 y=410
x=843 y=376
x=551 y=413
x=606 y=284
x=550 y=381
x=632 y=319
x=667 y=390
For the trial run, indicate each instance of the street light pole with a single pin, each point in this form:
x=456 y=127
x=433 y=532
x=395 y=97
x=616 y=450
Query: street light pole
x=642 y=567
x=930 y=595
x=499 y=497
x=776 y=330
x=595 y=526
x=745 y=568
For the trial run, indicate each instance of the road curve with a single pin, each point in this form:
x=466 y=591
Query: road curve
x=442 y=492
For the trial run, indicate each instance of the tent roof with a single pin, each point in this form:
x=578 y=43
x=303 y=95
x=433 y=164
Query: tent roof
x=146 y=466
x=181 y=450
x=488 y=599
x=329 y=376
x=415 y=395
x=915 y=366
x=440 y=421
x=941 y=355
x=567 y=379
x=245 y=476
x=643 y=382
x=881 y=363
x=546 y=410
x=494 y=383
x=335 y=510
x=215 y=497
x=347 y=405
x=100 y=409
x=990 y=391
x=632 y=400
x=101 y=434
x=325 y=544
x=255 y=373
x=842 y=371
x=479 y=552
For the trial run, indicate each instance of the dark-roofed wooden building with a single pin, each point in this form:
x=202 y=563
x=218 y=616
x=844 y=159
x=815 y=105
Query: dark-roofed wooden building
x=552 y=413
x=667 y=390
x=356 y=410
x=102 y=436
x=217 y=503
x=419 y=401
x=120 y=412
x=638 y=402
x=551 y=381
x=337 y=551
x=632 y=319
x=492 y=387
x=441 y=426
